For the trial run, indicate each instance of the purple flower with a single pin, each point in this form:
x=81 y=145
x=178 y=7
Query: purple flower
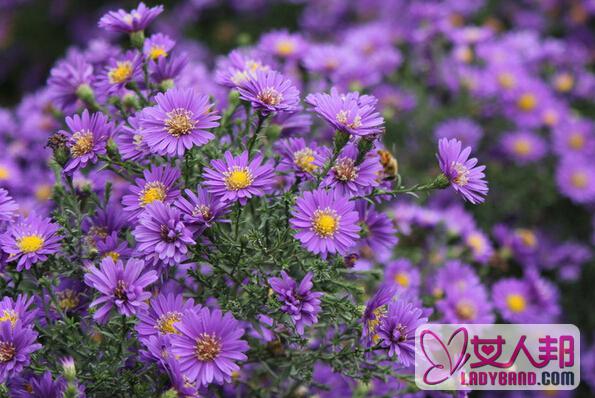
x=33 y=386
x=128 y=22
x=396 y=332
x=202 y=208
x=350 y=113
x=158 y=46
x=480 y=245
x=66 y=78
x=30 y=240
x=378 y=233
x=87 y=138
x=325 y=222
x=464 y=176
x=162 y=235
x=238 y=67
x=575 y=177
x=283 y=44
x=238 y=179
x=454 y=277
x=471 y=305
x=158 y=185
x=375 y=312
x=574 y=137
x=349 y=178
x=168 y=68
x=13 y=311
x=178 y=122
x=269 y=91
x=524 y=146
x=299 y=301
x=299 y=158
x=120 y=71
x=131 y=141
x=402 y=274
x=465 y=130
x=121 y=286
x=163 y=313
x=8 y=206
x=208 y=345
x=113 y=247
x=16 y=345
x=512 y=299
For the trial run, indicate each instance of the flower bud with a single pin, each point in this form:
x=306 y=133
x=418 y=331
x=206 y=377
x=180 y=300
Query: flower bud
x=85 y=93
x=137 y=39
x=68 y=368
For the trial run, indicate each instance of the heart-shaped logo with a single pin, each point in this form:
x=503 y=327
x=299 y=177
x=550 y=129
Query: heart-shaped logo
x=445 y=359
x=487 y=349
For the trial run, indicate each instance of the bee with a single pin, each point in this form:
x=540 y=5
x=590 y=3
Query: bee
x=389 y=163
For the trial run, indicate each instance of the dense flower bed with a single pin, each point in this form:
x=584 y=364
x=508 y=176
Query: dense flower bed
x=278 y=220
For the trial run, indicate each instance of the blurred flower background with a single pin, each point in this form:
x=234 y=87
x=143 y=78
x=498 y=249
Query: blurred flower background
x=515 y=80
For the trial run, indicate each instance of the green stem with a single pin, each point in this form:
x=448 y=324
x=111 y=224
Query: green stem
x=261 y=119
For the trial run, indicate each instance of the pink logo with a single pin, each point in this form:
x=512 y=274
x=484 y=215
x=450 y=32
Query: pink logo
x=444 y=363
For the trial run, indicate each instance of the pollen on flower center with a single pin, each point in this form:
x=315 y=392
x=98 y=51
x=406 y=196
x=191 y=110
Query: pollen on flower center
x=238 y=178
x=522 y=147
x=343 y=118
x=304 y=159
x=30 y=243
x=462 y=177
x=120 y=73
x=476 y=242
x=208 y=347
x=113 y=254
x=179 y=122
x=325 y=223
x=402 y=329
x=466 y=310
x=120 y=290
x=202 y=210
x=345 y=169
x=506 y=80
x=153 y=191
x=167 y=234
x=516 y=302
x=402 y=279
x=68 y=299
x=10 y=316
x=156 y=52
x=4 y=174
x=579 y=179
x=83 y=143
x=527 y=102
x=7 y=351
x=527 y=237
x=285 y=47
x=576 y=141
x=379 y=314
x=270 y=96
x=165 y=324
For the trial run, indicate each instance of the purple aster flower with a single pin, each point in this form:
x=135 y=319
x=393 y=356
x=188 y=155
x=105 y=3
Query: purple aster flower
x=396 y=332
x=375 y=312
x=131 y=141
x=378 y=233
x=480 y=245
x=574 y=137
x=524 y=146
x=331 y=384
x=575 y=177
x=208 y=344
x=130 y=21
x=8 y=206
x=269 y=91
x=238 y=67
x=34 y=386
x=12 y=311
x=465 y=177
x=512 y=298
x=87 y=138
x=283 y=44
x=202 y=208
x=238 y=178
x=349 y=113
x=471 y=305
x=325 y=222
x=326 y=59
x=104 y=222
x=463 y=129
x=121 y=286
x=349 y=178
x=16 y=345
x=300 y=158
x=163 y=313
x=158 y=185
x=70 y=75
x=162 y=235
x=120 y=71
x=168 y=68
x=158 y=46
x=115 y=248
x=402 y=274
x=178 y=122
x=30 y=240
x=71 y=295
x=455 y=277
x=299 y=301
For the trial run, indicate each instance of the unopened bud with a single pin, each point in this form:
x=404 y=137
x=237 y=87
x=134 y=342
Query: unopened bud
x=68 y=368
x=171 y=393
x=137 y=39
x=166 y=85
x=85 y=93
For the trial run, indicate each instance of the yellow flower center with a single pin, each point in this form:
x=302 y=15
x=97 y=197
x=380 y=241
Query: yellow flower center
x=516 y=302
x=114 y=255
x=343 y=118
x=379 y=314
x=476 y=242
x=121 y=73
x=7 y=351
x=208 y=347
x=238 y=178
x=438 y=292
x=30 y=243
x=527 y=102
x=564 y=82
x=304 y=159
x=325 y=223
x=83 y=143
x=285 y=47
x=345 y=169
x=576 y=141
x=466 y=310
x=527 y=237
x=270 y=96
x=156 y=52
x=506 y=80
x=579 y=179
x=402 y=279
x=4 y=173
x=10 y=316
x=153 y=191
x=522 y=147
x=550 y=117
x=462 y=177
x=165 y=324
x=68 y=299
x=179 y=122
x=43 y=193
